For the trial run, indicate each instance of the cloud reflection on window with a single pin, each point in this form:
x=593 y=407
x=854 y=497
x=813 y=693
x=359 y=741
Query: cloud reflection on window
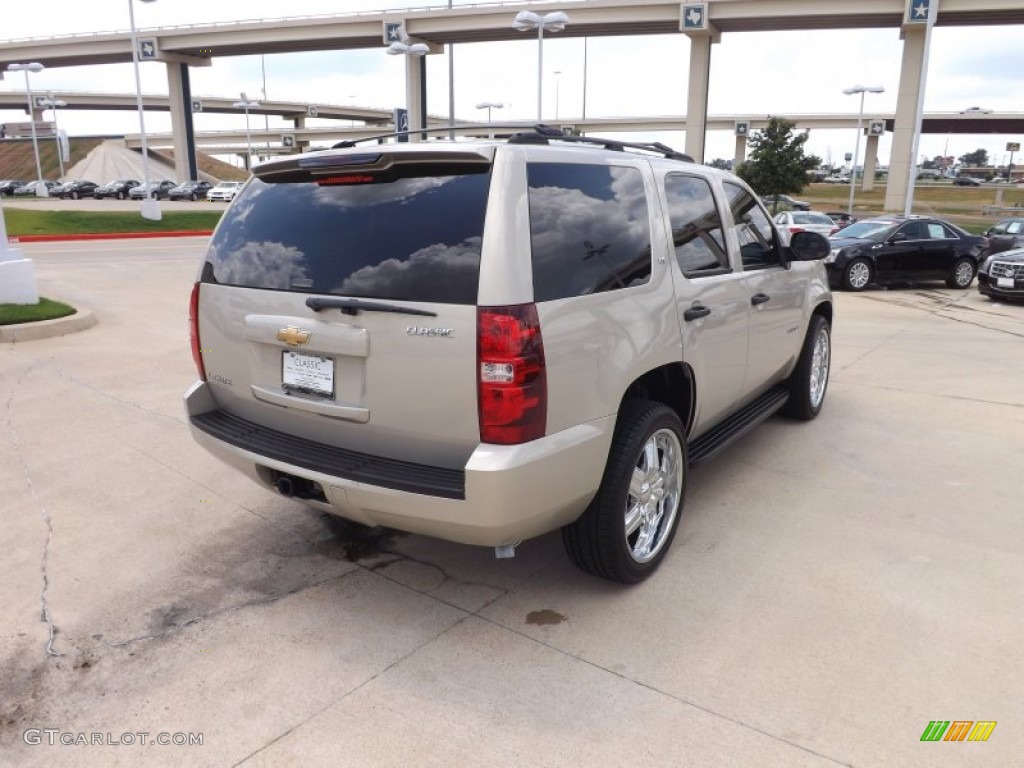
x=451 y=269
x=260 y=265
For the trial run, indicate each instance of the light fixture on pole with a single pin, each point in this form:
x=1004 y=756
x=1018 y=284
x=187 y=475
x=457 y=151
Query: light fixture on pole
x=51 y=103
x=489 y=105
x=861 y=89
x=404 y=46
x=555 y=21
x=150 y=207
x=247 y=104
x=34 y=66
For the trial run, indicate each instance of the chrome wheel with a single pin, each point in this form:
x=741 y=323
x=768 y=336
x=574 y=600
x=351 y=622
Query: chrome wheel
x=858 y=275
x=820 y=359
x=652 y=502
x=964 y=274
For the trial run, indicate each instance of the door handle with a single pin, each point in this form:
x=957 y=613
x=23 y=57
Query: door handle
x=695 y=313
x=759 y=298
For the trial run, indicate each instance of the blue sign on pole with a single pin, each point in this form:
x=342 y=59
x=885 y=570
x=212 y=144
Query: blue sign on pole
x=392 y=32
x=147 y=49
x=918 y=11
x=402 y=123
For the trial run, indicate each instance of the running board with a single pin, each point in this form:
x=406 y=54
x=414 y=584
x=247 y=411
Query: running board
x=738 y=424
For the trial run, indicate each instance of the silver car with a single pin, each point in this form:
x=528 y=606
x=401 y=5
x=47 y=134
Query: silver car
x=488 y=341
x=792 y=222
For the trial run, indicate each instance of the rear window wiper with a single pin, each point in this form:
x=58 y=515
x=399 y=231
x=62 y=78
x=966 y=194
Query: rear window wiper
x=354 y=306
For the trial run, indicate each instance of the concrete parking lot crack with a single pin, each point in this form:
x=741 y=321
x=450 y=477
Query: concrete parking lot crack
x=45 y=616
x=680 y=699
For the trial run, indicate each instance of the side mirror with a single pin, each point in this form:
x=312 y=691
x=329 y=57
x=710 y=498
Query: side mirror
x=899 y=237
x=809 y=246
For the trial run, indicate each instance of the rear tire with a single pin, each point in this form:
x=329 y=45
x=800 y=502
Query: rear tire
x=74 y=195
x=962 y=274
x=193 y=197
x=858 y=275
x=809 y=380
x=120 y=195
x=629 y=526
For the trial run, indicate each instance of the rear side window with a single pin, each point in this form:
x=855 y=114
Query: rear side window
x=589 y=229
x=696 y=226
x=413 y=239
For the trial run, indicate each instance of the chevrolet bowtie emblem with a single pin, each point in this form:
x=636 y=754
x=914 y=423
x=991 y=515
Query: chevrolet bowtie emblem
x=292 y=336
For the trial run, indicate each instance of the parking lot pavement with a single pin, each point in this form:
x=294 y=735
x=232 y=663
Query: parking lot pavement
x=834 y=587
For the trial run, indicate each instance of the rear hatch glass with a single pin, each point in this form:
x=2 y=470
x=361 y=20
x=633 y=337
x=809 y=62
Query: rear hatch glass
x=405 y=236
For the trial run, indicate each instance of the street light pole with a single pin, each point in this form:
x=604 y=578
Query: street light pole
x=555 y=22
x=246 y=104
x=50 y=103
x=34 y=66
x=861 y=89
x=558 y=82
x=408 y=48
x=150 y=207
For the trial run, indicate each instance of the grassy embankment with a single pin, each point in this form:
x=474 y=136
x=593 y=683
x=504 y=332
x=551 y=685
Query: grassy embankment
x=22 y=221
x=961 y=205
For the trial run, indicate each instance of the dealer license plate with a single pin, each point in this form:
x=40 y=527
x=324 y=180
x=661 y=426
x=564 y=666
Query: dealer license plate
x=307 y=373
x=1004 y=282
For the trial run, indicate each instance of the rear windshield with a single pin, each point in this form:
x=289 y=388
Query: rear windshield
x=414 y=239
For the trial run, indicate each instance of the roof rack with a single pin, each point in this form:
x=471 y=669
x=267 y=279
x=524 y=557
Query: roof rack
x=537 y=134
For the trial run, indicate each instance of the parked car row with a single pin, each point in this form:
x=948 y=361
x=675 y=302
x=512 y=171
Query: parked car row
x=123 y=189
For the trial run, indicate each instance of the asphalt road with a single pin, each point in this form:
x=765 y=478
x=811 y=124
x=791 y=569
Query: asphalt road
x=834 y=587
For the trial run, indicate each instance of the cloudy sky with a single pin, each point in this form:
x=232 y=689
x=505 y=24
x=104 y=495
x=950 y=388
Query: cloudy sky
x=751 y=73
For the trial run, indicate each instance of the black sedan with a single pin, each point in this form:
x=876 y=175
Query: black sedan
x=1002 y=275
x=74 y=189
x=7 y=186
x=1005 y=235
x=966 y=181
x=903 y=249
x=118 y=188
x=190 y=190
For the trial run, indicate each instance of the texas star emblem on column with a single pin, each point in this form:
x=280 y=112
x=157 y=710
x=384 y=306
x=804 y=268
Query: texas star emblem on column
x=695 y=16
x=147 y=48
x=918 y=11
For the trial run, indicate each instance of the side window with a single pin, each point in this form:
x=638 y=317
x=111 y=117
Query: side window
x=1015 y=227
x=753 y=229
x=949 y=233
x=589 y=229
x=915 y=230
x=696 y=226
x=936 y=232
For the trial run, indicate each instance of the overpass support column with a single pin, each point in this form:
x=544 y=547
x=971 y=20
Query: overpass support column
x=901 y=162
x=697 y=94
x=180 y=98
x=741 y=151
x=302 y=145
x=870 y=163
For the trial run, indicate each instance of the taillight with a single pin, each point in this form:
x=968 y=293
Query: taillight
x=193 y=331
x=794 y=230
x=511 y=381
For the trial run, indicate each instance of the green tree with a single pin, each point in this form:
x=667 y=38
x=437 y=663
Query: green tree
x=720 y=164
x=777 y=163
x=977 y=158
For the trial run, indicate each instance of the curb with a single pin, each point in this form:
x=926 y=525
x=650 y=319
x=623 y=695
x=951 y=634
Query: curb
x=45 y=329
x=107 y=236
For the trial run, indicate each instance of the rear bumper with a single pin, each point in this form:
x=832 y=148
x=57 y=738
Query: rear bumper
x=503 y=495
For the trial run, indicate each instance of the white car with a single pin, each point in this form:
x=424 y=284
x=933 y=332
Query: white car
x=806 y=221
x=225 y=191
x=839 y=179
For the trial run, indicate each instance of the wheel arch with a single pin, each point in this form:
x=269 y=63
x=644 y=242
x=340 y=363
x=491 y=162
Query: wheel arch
x=671 y=384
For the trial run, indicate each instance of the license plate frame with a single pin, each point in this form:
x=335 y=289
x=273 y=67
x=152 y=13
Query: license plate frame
x=308 y=374
x=1004 y=282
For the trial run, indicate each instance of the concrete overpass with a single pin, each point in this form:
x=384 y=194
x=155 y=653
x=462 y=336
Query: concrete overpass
x=195 y=45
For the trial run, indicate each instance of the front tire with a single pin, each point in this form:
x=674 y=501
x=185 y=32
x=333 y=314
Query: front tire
x=74 y=195
x=193 y=197
x=858 y=275
x=962 y=275
x=627 y=529
x=809 y=380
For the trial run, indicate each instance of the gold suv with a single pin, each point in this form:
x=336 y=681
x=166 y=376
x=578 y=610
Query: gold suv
x=485 y=341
